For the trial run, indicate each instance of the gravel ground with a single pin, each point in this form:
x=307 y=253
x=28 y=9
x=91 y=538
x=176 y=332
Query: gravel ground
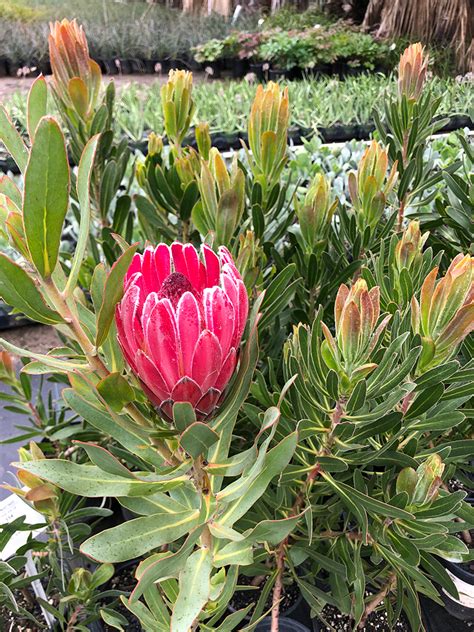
x=39 y=338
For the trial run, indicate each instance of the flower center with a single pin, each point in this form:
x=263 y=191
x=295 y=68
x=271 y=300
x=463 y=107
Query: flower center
x=174 y=286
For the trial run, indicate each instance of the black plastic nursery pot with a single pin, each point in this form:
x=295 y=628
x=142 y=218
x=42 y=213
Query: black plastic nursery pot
x=28 y=68
x=260 y=70
x=108 y=66
x=278 y=74
x=239 y=68
x=463 y=577
x=153 y=66
x=438 y=619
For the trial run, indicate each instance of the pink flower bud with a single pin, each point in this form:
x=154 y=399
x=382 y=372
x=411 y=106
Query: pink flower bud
x=180 y=323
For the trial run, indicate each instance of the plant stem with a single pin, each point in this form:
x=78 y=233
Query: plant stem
x=378 y=598
x=401 y=215
x=277 y=589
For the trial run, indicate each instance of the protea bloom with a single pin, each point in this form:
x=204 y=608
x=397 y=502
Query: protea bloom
x=180 y=323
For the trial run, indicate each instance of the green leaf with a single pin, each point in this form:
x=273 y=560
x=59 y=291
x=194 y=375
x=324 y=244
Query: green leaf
x=163 y=565
x=198 y=438
x=194 y=590
x=275 y=462
x=12 y=140
x=183 y=415
x=91 y=481
x=439 y=423
x=116 y=391
x=18 y=290
x=278 y=294
x=103 y=459
x=113 y=292
x=46 y=195
x=119 y=427
x=49 y=360
x=375 y=506
x=424 y=401
x=240 y=553
x=37 y=104
x=438 y=573
x=102 y=574
x=84 y=175
x=139 y=536
x=273 y=531
x=113 y=619
x=357 y=399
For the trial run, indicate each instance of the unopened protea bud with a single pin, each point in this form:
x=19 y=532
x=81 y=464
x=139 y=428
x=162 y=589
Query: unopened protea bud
x=356 y=313
x=422 y=484
x=203 y=140
x=222 y=198
x=268 y=132
x=155 y=144
x=445 y=314
x=316 y=212
x=371 y=185
x=177 y=104
x=76 y=77
x=409 y=249
x=180 y=323
x=412 y=71
x=188 y=167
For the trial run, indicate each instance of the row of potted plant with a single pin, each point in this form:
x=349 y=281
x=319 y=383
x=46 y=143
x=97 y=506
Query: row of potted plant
x=281 y=52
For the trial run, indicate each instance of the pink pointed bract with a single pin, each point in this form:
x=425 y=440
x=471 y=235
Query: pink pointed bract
x=180 y=323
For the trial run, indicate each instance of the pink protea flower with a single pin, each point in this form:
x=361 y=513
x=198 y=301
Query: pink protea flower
x=180 y=323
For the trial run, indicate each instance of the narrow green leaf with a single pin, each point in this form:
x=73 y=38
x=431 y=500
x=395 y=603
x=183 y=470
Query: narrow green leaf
x=103 y=459
x=12 y=140
x=128 y=434
x=46 y=195
x=163 y=565
x=275 y=462
x=138 y=536
x=84 y=175
x=91 y=481
x=194 y=590
x=37 y=105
